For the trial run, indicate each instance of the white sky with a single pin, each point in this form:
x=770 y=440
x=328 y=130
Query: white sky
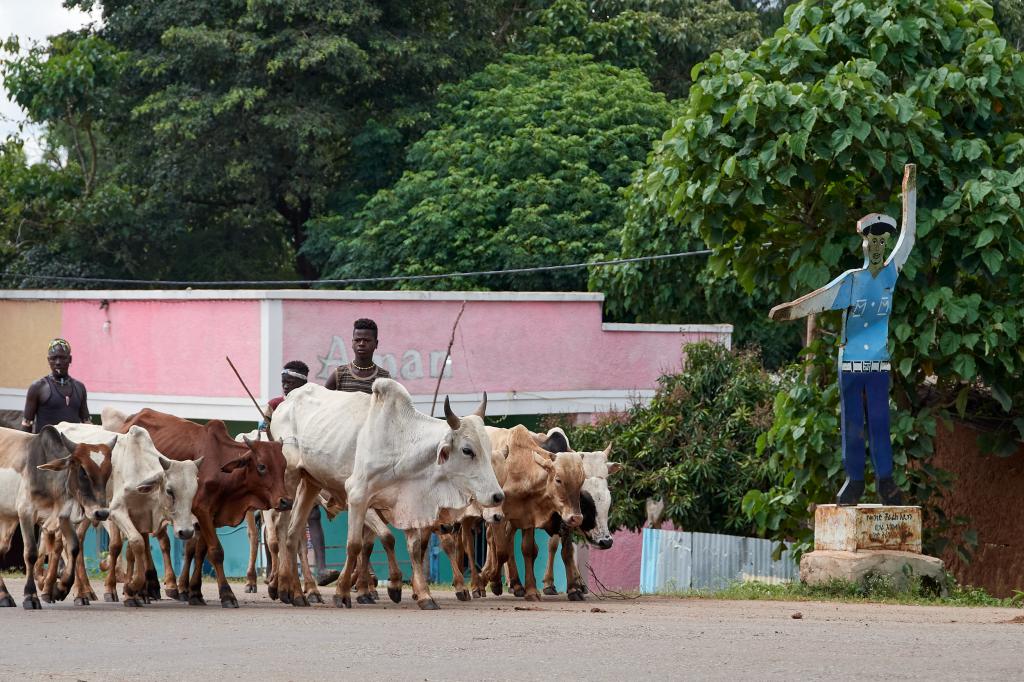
x=33 y=20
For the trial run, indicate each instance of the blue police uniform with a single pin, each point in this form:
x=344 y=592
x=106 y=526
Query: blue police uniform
x=864 y=366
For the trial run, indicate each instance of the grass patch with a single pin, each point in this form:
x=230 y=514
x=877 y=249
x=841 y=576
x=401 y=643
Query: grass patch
x=873 y=589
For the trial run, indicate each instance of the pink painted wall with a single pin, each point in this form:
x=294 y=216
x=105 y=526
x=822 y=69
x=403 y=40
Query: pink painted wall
x=524 y=346
x=618 y=568
x=164 y=347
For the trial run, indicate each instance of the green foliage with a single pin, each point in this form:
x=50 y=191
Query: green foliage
x=780 y=150
x=693 y=446
x=524 y=167
x=874 y=588
x=664 y=39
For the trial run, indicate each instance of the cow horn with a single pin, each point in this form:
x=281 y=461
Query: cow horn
x=248 y=443
x=481 y=410
x=164 y=462
x=112 y=443
x=453 y=419
x=608 y=450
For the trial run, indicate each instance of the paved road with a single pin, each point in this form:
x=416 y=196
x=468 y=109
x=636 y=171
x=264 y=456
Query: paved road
x=504 y=639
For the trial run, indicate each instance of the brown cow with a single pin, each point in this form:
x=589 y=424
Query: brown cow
x=60 y=480
x=233 y=479
x=539 y=488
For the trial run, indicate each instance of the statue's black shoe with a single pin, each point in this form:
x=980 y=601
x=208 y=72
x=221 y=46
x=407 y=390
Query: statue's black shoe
x=889 y=493
x=850 y=494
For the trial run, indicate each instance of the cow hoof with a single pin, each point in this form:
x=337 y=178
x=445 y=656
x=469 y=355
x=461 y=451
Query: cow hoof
x=172 y=593
x=584 y=589
x=395 y=594
x=428 y=605
x=462 y=595
x=196 y=600
x=533 y=596
x=250 y=589
x=31 y=603
x=132 y=601
x=154 y=594
x=496 y=589
x=183 y=595
x=519 y=591
x=109 y=596
x=272 y=592
x=479 y=593
x=375 y=594
x=285 y=596
x=8 y=600
x=300 y=601
x=81 y=601
x=576 y=595
x=228 y=601
x=340 y=601
x=365 y=599
x=314 y=598
x=92 y=596
x=47 y=597
x=550 y=591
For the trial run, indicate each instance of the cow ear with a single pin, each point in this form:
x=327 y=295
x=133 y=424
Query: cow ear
x=443 y=450
x=236 y=463
x=504 y=452
x=164 y=462
x=150 y=484
x=614 y=467
x=56 y=465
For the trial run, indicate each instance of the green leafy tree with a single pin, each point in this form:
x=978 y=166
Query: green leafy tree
x=524 y=168
x=780 y=150
x=663 y=39
x=692 y=446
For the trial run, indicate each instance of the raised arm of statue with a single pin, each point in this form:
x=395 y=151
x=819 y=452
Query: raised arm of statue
x=908 y=231
x=833 y=296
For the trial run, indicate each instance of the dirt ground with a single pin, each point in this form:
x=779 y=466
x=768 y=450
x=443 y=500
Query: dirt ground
x=502 y=638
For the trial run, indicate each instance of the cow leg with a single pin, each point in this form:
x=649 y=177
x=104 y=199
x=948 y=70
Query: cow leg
x=254 y=545
x=186 y=566
x=453 y=548
x=51 y=546
x=498 y=548
x=110 y=584
x=306 y=495
x=309 y=582
x=357 y=513
x=67 y=578
x=416 y=540
x=512 y=568
x=135 y=561
x=387 y=540
x=209 y=531
x=7 y=529
x=28 y=534
x=364 y=594
x=152 y=580
x=271 y=522
x=529 y=557
x=84 y=591
x=195 y=581
x=170 y=582
x=573 y=579
x=549 y=571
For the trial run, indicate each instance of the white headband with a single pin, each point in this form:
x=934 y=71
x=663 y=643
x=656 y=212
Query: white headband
x=293 y=373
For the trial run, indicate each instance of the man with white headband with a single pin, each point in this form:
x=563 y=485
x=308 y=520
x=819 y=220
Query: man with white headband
x=293 y=375
x=56 y=397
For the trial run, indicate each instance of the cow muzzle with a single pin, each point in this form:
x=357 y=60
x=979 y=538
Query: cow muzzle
x=185 y=533
x=101 y=514
x=574 y=520
x=284 y=504
x=604 y=543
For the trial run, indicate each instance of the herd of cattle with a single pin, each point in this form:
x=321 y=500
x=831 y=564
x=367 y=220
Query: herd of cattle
x=373 y=454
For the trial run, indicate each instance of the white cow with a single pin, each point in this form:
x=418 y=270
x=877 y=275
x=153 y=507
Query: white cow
x=10 y=484
x=318 y=430
x=410 y=467
x=146 y=491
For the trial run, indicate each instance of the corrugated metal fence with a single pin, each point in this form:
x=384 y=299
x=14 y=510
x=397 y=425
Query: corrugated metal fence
x=676 y=560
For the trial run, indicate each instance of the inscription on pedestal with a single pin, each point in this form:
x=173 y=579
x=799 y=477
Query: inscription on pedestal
x=867 y=527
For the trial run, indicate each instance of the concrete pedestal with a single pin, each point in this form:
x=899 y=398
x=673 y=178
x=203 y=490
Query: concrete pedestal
x=851 y=543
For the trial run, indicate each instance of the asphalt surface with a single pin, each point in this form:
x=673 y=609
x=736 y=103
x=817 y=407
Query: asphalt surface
x=503 y=638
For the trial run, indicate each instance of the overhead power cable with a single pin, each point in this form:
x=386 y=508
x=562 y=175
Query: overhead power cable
x=350 y=280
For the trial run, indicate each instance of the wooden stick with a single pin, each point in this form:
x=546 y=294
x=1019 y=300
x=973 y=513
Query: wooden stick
x=256 y=404
x=447 y=353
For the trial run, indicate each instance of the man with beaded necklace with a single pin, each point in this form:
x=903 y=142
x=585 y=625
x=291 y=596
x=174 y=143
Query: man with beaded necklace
x=56 y=397
x=362 y=371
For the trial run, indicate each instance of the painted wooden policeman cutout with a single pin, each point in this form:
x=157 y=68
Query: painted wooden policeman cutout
x=865 y=297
